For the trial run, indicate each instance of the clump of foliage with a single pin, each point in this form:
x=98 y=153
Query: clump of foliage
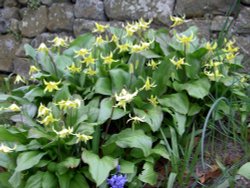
x=34 y=4
x=127 y=97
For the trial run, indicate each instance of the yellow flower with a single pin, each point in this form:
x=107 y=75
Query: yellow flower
x=211 y=47
x=19 y=79
x=108 y=59
x=82 y=138
x=153 y=64
x=33 y=70
x=136 y=48
x=59 y=42
x=74 y=69
x=153 y=100
x=123 y=47
x=148 y=86
x=99 y=41
x=43 y=111
x=136 y=119
x=114 y=39
x=100 y=28
x=178 y=63
x=230 y=47
x=89 y=60
x=13 y=108
x=185 y=39
x=213 y=63
x=42 y=48
x=81 y=53
x=177 y=20
x=214 y=76
x=64 y=105
x=51 y=86
x=131 y=29
x=48 y=119
x=90 y=72
x=64 y=132
x=230 y=56
x=6 y=149
x=145 y=45
x=143 y=25
x=124 y=97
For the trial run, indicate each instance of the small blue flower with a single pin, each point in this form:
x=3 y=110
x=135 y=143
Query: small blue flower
x=118 y=180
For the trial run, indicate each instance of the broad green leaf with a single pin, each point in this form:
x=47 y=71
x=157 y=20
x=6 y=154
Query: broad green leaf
x=198 y=88
x=62 y=94
x=49 y=180
x=129 y=138
x=118 y=113
x=78 y=181
x=30 y=51
x=4 y=177
x=194 y=109
x=35 y=181
x=149 y=54
x=5 y=135
x=99 y=168
x=103 y=86
x=194 y=68
x=29 y=109
x=6 y=161
x=181 y=122
x=27 y=160
x=33 y=93
x=179 y=102
x=161 y=151
x=127 y=167
x=71 y=162
x=64 y=180
x=105 y=109
x=152 y=116
x=119 y=79
x=245 y=170
x=148 y=174
x=171 y=180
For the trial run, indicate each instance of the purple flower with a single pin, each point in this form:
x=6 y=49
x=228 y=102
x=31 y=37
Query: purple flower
x=117 y=181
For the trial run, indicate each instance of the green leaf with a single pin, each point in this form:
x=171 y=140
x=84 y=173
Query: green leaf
x=193 y=71
x=64 y=180
x=129 y=138
x=16 y=179
x=179 y=102
x=78 y=181
x=28 y=159
x=99 y=168
x=181 y=123
x=127 y=167
x=105 y=110
x=161 y=151
x=29 y=51
x=71 y=162
x=171 y=180
x=103 y=86
x=198 y=88
x=194 y=109
x=5 y=135
x=148 y=174
x=33 y=93
x=119 y=79
x=152 y=116
x=62 y=94
x=245 y=170
x=4 y=177
x=49 y=180
x=35 y=181
x=149 y=54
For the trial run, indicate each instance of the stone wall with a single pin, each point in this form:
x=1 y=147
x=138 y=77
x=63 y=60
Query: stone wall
x=20 y=23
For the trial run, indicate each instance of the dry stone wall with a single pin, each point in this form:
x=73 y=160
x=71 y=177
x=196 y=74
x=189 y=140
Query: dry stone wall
x=36 y=21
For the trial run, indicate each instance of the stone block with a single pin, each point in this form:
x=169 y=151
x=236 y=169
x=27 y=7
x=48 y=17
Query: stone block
x=242 y=23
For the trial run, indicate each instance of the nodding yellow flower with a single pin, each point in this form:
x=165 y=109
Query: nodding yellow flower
x=153 y=100
x=100 y=28
x=123 y=47
x=229 y=48
x=6 y=149
x=114 y=39
x=124 y=97
x=82 y=138
x=51 y=86
x=48 y=119
x=211 y=47
x=81 y=53
x=59 y=42
x=143 y=25
x=230 y=56
x=136 y=119
x=13 y=108
x=33 y=70
x=148 y=86
x=43 y=111
x=213 y=63
x=42 y=48
x=214 y=76
x=89 y=60
x=108 y=60
x=74 y=69
x=139 y=48
x=185 y=39
x=131 y=29
x=90 y=72
x=178 y=63
x=145 y=45
x=64 y=132
x=99 y=41
x=177 y=20
x=19 y=79
x=153 y=64
x=66 y=104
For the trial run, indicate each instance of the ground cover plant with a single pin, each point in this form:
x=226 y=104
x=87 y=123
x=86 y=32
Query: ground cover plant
x=122 y=107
